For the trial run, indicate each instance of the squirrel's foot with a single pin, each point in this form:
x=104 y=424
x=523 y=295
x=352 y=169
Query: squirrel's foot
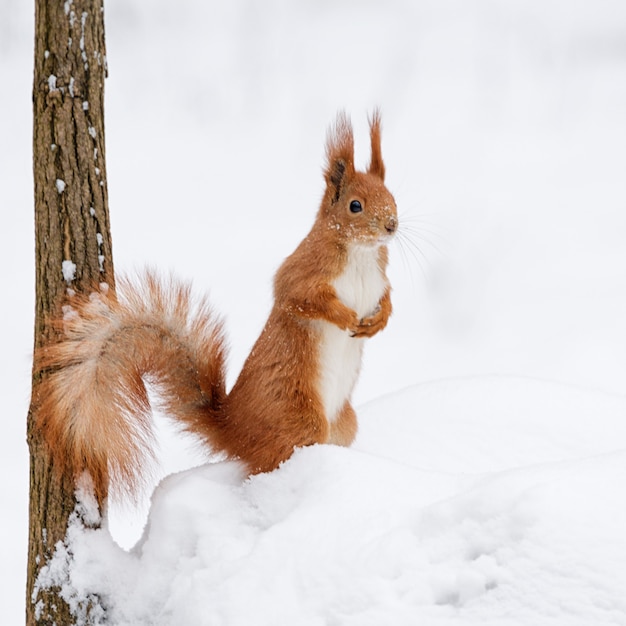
x=371 y=325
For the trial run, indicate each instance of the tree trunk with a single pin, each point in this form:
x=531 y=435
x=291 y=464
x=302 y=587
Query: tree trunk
x=73 y=242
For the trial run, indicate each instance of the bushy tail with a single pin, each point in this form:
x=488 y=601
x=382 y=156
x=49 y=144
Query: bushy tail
x=93 y=407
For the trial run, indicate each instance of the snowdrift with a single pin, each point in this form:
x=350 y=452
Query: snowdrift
x=490 y=500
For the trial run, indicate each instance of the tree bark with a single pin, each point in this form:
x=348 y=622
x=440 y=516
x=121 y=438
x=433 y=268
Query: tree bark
x=73 y=241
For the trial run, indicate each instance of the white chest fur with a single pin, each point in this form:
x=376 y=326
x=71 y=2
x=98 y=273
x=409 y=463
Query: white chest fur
x=360 y=286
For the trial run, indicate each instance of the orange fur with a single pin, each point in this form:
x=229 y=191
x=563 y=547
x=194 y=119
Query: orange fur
x=93 y=407
x=295 y=386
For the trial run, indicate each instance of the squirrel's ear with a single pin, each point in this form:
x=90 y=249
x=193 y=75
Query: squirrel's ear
x=339 y=155
x=376 y=166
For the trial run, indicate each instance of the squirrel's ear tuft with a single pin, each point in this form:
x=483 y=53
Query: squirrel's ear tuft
x=339 y=155
x=376 y=166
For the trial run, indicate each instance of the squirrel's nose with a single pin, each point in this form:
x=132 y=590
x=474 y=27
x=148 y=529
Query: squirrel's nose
x=391 y=225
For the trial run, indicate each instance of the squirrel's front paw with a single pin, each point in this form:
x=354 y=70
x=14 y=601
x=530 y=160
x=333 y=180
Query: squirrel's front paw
x=371 y=325
x=352 y=324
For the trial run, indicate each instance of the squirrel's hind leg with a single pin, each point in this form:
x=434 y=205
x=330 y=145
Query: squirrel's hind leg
x=343 y=428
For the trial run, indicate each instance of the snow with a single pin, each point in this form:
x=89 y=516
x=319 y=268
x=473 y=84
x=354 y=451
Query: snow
x=368 y=535
x=69 y=270
x=486 y=482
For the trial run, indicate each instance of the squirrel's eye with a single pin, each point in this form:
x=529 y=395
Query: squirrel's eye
x=355 y=206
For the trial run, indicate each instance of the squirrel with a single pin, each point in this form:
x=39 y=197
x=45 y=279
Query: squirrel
x=295 y=386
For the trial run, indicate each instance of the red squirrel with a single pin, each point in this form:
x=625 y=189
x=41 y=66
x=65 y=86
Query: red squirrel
x=295 y=386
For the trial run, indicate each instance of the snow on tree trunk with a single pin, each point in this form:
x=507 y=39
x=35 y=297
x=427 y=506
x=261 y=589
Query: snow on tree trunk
x=73 y=242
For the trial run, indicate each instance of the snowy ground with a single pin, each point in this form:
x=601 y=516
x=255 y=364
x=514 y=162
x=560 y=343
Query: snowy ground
x=486 y=484
x=491 y=500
